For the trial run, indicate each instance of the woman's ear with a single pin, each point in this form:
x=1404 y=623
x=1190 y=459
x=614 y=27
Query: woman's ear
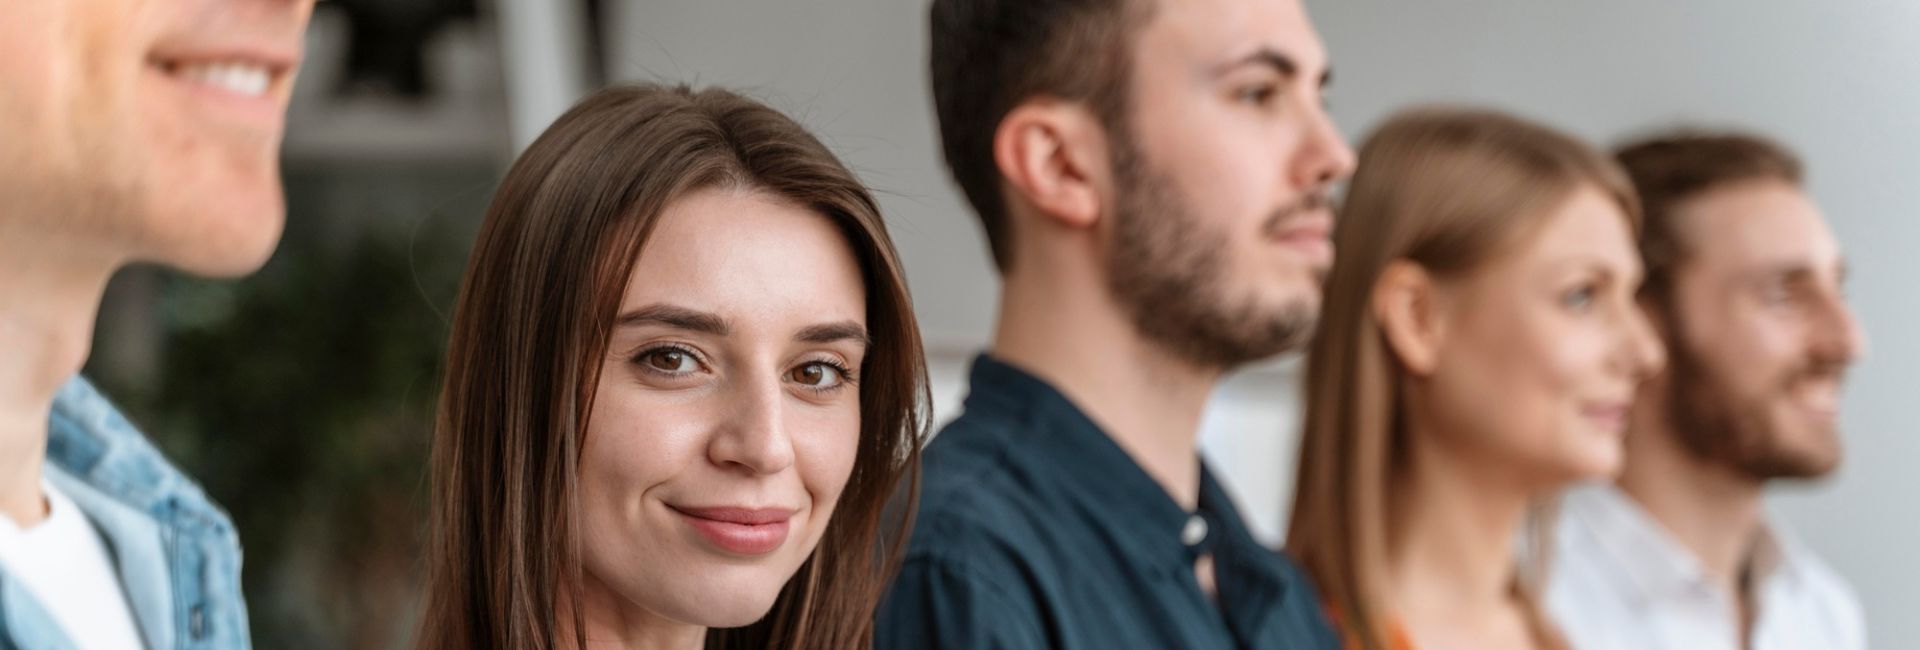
x=1407 y=304
x=1052 y=156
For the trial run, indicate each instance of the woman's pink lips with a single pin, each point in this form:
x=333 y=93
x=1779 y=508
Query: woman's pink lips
x=744 y=531
x=1612 y=417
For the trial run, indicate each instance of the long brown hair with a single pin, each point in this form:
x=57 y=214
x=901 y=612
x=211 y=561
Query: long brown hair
x=534 y=317
x=1445 y=189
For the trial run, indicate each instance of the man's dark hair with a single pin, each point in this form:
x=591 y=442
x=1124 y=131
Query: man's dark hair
x=1670 y=168
x=989 y=56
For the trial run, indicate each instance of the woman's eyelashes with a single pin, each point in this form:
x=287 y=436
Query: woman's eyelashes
x=668 y=360
x=673 y=361
x=1580 y=297
x=822 y=375
x=1589 y=291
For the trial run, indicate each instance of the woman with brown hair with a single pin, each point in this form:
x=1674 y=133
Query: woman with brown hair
x=683 y=381
x=1477 y=352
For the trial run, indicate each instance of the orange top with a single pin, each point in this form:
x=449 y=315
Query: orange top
x=1397 y=638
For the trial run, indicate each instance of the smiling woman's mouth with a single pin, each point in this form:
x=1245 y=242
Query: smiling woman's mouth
x=740 y=531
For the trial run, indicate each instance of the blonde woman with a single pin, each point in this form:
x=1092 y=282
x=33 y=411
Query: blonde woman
x=1478 y=351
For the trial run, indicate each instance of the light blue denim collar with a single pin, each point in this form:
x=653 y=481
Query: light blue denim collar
x=176 y=552
x=134 y=539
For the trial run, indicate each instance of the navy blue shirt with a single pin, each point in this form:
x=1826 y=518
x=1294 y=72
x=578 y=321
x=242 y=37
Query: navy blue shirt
x=1036 y=530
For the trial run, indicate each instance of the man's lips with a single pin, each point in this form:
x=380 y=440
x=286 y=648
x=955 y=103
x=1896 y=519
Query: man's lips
x=1309 y=233
x=279 y=55
x=1311 y=226
x=243 y=76
x=740 y=530
x=1819 y=399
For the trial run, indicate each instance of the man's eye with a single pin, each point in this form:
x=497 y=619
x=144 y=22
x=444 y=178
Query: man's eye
x=1257 y=95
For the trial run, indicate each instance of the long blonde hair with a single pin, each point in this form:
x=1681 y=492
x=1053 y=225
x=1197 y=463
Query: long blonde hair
x=1444 y=188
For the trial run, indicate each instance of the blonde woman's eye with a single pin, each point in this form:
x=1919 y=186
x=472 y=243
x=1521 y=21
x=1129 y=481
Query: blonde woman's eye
x=1578 y=299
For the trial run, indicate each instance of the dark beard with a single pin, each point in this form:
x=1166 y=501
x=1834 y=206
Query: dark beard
x=1169 y=272
x=1716 y=425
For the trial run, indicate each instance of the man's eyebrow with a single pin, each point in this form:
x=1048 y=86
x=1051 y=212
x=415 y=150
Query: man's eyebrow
x=1265 y=57
x=1790 y=272
x=675 y=317
x=834 y=333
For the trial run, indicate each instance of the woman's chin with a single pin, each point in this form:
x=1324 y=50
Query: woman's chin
x=736 y=614
x=1595 y=465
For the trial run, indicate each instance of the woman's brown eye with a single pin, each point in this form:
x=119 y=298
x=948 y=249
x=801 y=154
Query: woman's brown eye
x=669 y=360
x=814 y=374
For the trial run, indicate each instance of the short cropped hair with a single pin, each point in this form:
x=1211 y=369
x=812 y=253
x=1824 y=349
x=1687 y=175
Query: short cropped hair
x=989 y=56
x=1671 y=168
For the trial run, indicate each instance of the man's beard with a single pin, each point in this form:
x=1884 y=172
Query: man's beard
x=1170 y=272
x=1716 y=424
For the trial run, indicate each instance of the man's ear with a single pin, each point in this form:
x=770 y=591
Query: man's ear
x=1053 y=154
x=1407 y=303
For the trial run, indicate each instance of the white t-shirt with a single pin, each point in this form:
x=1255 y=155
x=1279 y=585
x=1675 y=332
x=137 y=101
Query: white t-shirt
x=1621 y=582
x=64 y=563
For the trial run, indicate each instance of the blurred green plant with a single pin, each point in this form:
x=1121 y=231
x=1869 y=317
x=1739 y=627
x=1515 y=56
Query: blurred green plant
x=302 y=399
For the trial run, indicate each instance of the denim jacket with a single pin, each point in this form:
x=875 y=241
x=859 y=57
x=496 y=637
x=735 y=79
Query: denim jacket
x=175 y=551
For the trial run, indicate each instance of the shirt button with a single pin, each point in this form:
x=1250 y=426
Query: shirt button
x=1195 y=532
x=197 y=622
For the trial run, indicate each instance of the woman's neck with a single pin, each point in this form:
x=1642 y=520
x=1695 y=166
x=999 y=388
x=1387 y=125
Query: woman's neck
x=1452 y=571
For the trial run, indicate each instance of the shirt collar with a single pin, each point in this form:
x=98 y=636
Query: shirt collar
x=113 y=475
x=1144 y=521
x=1085 y=459
x=1658 y=565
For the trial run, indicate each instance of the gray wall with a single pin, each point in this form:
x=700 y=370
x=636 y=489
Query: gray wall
x=852 y=70
x=1838 y=81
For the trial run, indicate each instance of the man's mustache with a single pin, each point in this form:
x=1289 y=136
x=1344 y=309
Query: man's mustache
x=1320 y=198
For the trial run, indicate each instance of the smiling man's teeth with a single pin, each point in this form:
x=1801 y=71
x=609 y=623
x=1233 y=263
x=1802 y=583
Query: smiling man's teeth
x=238 y=78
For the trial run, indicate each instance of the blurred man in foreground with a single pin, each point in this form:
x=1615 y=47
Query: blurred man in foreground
x=131 y=131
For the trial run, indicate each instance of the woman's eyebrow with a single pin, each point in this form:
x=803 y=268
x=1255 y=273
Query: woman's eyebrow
x=834 y=333
x=675 y=317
